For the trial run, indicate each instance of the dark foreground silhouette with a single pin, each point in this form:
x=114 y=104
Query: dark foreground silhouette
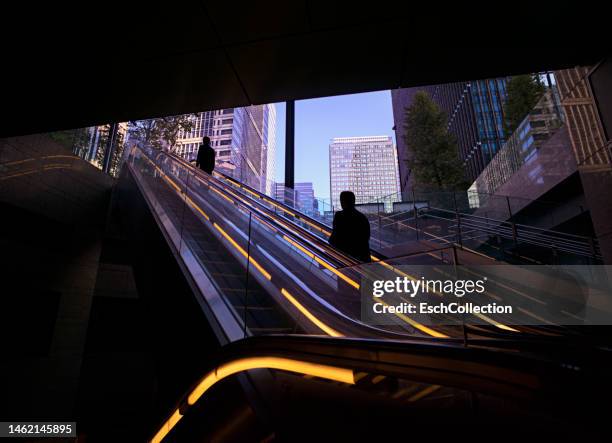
x=206 y=156
x=351 y=233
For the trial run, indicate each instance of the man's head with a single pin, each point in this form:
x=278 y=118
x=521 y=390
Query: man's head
x=206 y=141
x=347 y=200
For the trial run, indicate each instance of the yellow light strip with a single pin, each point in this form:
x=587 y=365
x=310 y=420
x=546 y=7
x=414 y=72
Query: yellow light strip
x=265 y=273
x=167 y=427
x=415 y=323
x=495 y=323
x=305 y=251
x=279 y=207
x=351 y=282
x=251 y=192
x=169 y=180
x=328 y=330
x=378 y=379
x=222 y=195
x=285 y=364
x=267 y=224
x=45 y=168
x=197 y=208
x=285 y=210
x=324 y=231
x=424 y=393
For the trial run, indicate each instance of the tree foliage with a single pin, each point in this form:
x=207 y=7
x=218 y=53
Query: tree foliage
x=76 y=140
x=523 y=92
x=119 y=146
x=434 y=158
x=162 y=133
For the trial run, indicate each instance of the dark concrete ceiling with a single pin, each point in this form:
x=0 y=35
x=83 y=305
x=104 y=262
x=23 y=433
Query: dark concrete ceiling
x=71 y=68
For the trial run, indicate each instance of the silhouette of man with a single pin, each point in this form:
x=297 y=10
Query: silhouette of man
x=206 y=156
x=351 y=232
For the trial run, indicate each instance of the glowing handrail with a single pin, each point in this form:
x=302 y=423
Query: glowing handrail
x=327 y=372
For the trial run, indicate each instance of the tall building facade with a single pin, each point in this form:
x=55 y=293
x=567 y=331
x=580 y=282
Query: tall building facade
x=522 y=145
x=244 y=140
x=475 y=117
x=582 y=90
x=367 y=166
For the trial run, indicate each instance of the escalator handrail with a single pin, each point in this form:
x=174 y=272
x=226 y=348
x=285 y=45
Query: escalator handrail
x=395 y=335
x=520 y=375
x=219 y=185
x=300 y=215
x=339 y=256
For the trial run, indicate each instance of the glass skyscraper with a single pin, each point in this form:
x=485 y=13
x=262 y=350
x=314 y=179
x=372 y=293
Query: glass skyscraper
x=243 y=138
x=475 y=117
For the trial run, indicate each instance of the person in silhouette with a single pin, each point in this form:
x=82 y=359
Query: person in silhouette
x=206 y=156
x=351 y=229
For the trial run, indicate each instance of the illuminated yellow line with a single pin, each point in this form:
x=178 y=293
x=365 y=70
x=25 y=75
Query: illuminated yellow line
x=46 y=168
x=415 y=323
x=267 y=224
x=378 y=379
x=495 y=323
x=57 y=165
x=279 y=207
x=286 y=210
x=251 y=192
x=305 y=251
x=169 y=180
x=259 y=196
x=328 y=330
x=359 y=376
x=286 y=364
x=222 y=195
x=167 y=427
x=16 y=162
x=351 y=282
x=327 y=372
x=425 y=392
x=265 y=273
x=315 y=226
x=232 y=180
x=197 y=208
x=165 y=176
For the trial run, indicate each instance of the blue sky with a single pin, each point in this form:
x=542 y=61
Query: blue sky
x=318 y=120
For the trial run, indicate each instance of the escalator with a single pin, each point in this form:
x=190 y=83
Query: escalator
x=262 y=266
x=257 y=272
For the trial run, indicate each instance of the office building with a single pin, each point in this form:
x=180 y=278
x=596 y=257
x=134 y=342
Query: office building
x=475 y=117
x=367 y=166
x=244 y=140
x=523 y=144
